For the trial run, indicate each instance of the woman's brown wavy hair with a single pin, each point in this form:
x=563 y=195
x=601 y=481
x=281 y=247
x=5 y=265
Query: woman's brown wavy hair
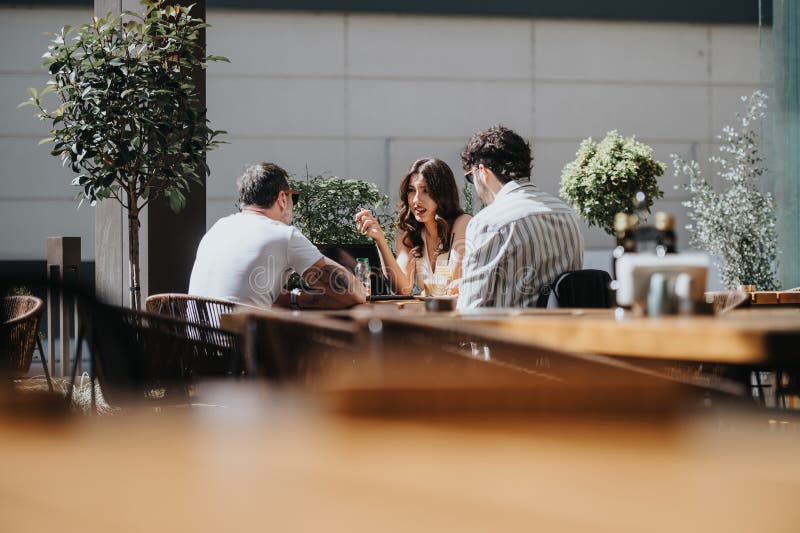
x=443 y=190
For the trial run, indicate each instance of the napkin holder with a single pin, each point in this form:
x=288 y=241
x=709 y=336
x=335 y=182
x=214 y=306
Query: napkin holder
x=658 y=285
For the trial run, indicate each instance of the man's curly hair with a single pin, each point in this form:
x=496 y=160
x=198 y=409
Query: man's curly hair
x=500 y=150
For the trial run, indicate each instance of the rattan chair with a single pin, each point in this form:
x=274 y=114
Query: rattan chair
x=19 y=334
x=194 y=309
x=285 y=347
x=139 y=356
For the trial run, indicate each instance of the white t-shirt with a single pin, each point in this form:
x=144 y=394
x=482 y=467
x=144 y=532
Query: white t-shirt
x=247 y=258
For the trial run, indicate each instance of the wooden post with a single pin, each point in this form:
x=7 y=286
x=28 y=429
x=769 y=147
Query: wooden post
x=63 y=261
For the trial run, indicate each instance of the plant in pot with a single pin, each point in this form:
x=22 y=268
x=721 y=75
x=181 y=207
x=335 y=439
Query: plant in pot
x=737 y=224
x=128 y=119
x=606 y=176
x=326 y=213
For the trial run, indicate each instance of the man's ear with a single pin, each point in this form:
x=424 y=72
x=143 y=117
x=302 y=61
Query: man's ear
x=483 y=173
x=282 y=199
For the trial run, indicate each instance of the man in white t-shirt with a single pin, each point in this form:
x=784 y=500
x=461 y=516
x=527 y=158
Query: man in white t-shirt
x=247 y=257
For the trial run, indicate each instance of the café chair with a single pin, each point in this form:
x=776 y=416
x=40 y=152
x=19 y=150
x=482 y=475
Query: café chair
x=144 y=357
x=587 y=288
x=19 y=334
x=285 y=347
x=194 y=309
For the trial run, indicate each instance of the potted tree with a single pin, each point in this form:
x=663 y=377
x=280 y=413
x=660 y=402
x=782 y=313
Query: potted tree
x=127 y=119
x=605 y=177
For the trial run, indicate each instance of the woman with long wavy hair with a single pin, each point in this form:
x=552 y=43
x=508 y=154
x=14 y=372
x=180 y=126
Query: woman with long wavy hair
x=430 y=224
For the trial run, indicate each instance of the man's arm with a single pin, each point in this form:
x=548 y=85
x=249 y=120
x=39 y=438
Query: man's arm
x=331 y=285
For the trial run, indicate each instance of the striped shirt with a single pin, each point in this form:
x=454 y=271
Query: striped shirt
x=516 y=246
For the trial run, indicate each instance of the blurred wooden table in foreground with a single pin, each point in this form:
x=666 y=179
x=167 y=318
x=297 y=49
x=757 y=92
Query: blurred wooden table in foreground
x=267 y=463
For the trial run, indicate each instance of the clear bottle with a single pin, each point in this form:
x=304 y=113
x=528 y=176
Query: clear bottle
x=665 y=224
x=624 y=226
x=362 y=272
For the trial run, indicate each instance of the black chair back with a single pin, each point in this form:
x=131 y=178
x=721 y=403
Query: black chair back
x=580 y=288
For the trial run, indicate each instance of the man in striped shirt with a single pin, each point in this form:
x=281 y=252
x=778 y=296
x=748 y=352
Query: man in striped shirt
x=524 y=238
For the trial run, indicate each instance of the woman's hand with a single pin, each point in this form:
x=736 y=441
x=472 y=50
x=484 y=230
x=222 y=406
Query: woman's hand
x=368 y=225
x=452 y=288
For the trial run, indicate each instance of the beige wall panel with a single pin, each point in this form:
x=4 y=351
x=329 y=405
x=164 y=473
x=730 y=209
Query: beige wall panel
x=229 y=160
x=735 y=54
x=29 y=171
x=418 y=86
x=652 y=111
x=549 y=158
x=22 y=122
x=439 y=47
x=368 y=161
x=278 y=107
x=27 y=224
x=436 y=108
x=726 y=101
x=404 y=152
x=218 y=208
x=22 y=38
x=620 y=51
x=595 y=238
x=276 y=44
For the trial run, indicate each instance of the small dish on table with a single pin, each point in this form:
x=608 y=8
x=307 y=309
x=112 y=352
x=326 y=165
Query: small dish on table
x=439 y=303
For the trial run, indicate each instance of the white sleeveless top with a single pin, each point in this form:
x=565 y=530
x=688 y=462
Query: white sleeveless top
x=423 y=269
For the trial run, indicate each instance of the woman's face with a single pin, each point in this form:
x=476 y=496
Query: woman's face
x=419 y=199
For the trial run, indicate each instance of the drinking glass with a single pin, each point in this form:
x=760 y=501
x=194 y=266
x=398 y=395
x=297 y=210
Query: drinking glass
x=442 y=276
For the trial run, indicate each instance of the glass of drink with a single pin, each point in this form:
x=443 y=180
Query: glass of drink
x=441 y=278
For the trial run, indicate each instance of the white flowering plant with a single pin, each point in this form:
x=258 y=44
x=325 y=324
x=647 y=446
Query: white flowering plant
x=604 y=178
x=736 y=224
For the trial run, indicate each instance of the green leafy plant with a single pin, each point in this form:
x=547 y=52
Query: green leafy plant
x=736 y=225
x=20 y=290
x=128 y=118
x=604 y=178
x=328 y=206
x=466 y=192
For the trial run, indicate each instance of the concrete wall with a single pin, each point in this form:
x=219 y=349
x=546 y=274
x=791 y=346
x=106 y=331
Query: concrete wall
x=364 y=95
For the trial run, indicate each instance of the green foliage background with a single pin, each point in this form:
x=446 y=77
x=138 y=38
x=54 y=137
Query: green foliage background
x=328 y=206
x=604 y=178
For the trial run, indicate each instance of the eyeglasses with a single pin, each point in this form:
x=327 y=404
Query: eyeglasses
x=294 y=194
x=468 y=175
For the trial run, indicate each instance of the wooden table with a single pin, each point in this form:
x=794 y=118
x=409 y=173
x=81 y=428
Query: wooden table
x=751 y=337
x=758 y=337
x=433 y=355
x=267 y=463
